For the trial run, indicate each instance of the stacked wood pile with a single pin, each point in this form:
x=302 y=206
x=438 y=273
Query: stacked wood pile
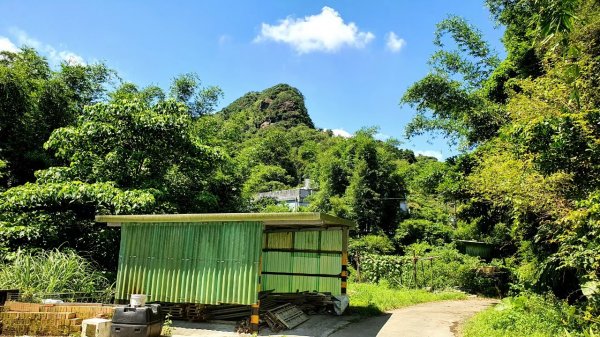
x=287 y=316
x=19 y=318
x=227 y=312
x=306 y=302
x=176 y=311
x=196 y=312
x=309 y=302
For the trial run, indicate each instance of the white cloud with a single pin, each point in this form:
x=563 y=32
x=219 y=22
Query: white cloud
x=321 y=32
x=7 y=45
x=430 y=153
x=382 y=136
x=54 y=56
x=341 y=133
x=394 y=43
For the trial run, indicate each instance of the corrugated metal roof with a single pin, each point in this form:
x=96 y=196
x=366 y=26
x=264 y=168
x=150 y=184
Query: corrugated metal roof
x=268 y=219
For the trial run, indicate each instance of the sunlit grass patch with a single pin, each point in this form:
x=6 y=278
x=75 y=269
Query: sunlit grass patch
x=367 y=299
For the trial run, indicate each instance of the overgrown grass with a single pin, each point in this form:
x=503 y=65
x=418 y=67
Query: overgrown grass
x=528 y=315
x=51 y=272
x=367 y=299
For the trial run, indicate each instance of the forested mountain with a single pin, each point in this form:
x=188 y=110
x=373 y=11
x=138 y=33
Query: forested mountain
x=280 y=105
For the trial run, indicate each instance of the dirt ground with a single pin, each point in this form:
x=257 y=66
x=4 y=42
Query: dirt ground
x=435 y=319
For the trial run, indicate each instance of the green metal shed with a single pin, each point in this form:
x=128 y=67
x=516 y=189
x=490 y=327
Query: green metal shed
x=476 y=248
x=229 y=257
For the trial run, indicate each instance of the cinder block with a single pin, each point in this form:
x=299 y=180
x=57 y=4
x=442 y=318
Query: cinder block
x=96 y=327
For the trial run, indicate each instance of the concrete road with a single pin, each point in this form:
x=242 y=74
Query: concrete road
x=435 y=319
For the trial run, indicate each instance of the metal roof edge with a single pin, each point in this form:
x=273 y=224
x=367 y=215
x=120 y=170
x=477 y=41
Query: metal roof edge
x=285 y=218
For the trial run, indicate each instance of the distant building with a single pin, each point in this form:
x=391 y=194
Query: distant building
x=404 y=205
x=293 y=198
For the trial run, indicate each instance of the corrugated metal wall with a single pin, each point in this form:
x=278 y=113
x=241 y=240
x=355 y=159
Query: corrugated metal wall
x=206 y=263
x=328 y=263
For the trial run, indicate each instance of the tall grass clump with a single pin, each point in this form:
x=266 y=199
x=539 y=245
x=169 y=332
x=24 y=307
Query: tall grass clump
x=53 y=271
x=529 y=315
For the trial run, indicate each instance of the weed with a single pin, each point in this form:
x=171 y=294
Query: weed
x=167 y=328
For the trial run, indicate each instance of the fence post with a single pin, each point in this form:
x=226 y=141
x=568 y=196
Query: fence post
x=431 y=267
x=357 y=258
x=415 y=268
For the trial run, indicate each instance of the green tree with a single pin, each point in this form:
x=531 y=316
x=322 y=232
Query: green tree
x=187 y=89
x=124 y=156
x=34 y=101
x=450 y=99
x=357 y=179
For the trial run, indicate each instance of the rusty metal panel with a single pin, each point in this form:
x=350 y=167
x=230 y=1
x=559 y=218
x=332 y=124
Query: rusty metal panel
x=207 y=263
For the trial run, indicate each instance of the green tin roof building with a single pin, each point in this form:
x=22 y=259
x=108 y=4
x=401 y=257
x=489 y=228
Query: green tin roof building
x=229 y=257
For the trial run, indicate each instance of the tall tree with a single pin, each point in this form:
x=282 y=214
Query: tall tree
x=34 y=101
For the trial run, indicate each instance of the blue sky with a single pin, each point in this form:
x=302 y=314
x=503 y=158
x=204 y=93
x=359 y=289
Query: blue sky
x=338 y=53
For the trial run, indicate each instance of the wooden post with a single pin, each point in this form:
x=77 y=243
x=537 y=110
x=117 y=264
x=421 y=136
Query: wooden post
x=344 y=274
x=431 y=267
x=255 y=308
x=255 y=316
x=357 y=259
x=415 y=268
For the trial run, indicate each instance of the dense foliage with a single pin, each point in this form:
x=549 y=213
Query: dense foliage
x=35 y=100
x=529 y=182
x=437 y=268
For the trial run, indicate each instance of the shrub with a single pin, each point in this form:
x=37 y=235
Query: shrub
x=527 y=315
x=420 y=230
x=51 y=272
x=437 y=267
x=371 y=244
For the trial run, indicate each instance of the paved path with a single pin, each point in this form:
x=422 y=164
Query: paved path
x=435 y=319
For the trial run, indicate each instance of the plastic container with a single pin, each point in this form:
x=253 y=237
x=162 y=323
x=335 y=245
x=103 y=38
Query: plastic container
x=138 y=315
x=137 y=300
x=133 y=330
